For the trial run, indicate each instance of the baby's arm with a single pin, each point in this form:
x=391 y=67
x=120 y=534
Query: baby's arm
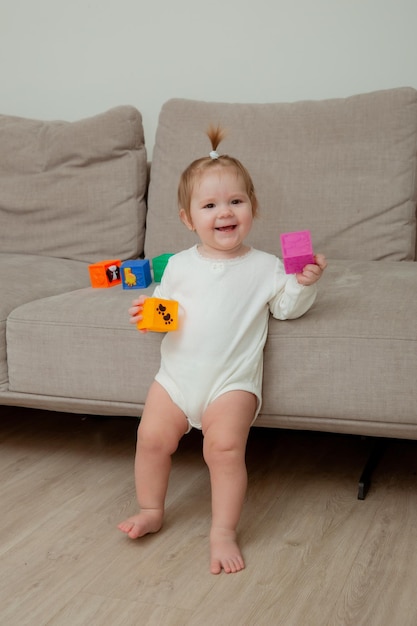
x=135 y=311
x=296 y=293
x=312 y=272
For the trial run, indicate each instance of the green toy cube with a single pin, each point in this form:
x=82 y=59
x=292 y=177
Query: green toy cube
x=159 y=264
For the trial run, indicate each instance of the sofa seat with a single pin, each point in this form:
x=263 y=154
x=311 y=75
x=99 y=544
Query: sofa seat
x=60 y=347
x=345 y=366
x=27 y=278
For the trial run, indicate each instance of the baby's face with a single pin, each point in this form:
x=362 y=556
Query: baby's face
x=221 y=212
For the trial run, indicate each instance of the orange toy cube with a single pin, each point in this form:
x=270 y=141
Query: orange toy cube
x=159 y=315
x=105 y=273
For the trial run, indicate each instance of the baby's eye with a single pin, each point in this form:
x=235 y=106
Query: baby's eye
x=209 y=205
x=236 y=201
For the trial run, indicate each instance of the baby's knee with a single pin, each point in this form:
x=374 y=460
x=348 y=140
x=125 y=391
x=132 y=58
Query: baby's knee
x=156 y=440
x=221 y=451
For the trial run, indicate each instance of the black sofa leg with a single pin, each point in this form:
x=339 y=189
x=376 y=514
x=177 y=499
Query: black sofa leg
x=377 y=450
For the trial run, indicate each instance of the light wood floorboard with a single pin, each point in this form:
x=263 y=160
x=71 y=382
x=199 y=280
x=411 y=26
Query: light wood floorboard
x=315 y=554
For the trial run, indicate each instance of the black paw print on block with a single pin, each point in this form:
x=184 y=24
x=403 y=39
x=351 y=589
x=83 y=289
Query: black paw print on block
x=166 y=316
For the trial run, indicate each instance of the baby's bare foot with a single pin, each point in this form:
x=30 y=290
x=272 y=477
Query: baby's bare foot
x=147 y=521
x=225 y=553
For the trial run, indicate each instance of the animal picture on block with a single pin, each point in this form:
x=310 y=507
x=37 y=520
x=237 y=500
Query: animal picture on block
x=297 y=251
x=105 y=273
x=159 y=315
x=136 y=274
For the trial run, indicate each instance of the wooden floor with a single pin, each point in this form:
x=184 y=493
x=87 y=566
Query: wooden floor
x=316 y=555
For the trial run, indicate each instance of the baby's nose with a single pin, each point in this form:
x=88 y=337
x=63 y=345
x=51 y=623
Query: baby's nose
x=225 y=209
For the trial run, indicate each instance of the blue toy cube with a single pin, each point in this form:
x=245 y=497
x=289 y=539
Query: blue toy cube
x=136 y=274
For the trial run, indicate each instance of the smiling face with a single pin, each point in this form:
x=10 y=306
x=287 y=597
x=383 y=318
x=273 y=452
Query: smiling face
x=220 y=212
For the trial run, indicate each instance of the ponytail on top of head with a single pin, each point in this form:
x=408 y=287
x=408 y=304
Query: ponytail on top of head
x=216 y=134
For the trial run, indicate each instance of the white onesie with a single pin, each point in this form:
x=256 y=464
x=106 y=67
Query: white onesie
x=223 y=324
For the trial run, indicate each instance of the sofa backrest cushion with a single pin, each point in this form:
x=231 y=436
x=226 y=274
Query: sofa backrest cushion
x=73 y=189
x=343 y=168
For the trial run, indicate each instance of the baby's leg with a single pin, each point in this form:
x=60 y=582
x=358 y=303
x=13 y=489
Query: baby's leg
x=226 y=424
x=161 y=427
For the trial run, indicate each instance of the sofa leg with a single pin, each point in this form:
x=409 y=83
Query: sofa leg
x=377 y=450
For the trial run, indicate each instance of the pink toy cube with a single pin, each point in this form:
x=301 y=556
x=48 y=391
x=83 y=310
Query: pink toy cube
x=297 y=251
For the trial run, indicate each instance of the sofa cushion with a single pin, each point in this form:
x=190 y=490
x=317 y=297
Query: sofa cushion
x=73 y=189
x=81 y=345
x=352 y=354
x=343 y=168
x=25 y=278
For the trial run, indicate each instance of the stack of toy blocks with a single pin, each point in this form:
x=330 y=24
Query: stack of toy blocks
x=135 y=274
x=159 y=315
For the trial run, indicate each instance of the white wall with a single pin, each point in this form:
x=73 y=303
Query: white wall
x=67 y=59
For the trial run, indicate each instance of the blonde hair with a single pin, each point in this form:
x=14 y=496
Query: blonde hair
x=216 y=134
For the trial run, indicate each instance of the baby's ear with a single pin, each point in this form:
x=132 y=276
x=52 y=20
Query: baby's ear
x=185 y=220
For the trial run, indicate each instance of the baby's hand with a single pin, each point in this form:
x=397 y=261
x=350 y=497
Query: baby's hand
x=135 y=311
x=312 y=272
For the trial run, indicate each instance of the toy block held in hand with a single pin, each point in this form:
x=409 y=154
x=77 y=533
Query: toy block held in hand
x=297 y=251
x=159 y=264
x=136 y=274
x=159 y=315
x=105 y=273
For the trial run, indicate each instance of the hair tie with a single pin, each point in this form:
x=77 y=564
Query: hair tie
x=213 y=155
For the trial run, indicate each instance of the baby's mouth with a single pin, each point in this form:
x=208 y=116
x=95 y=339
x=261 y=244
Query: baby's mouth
x=225 y=229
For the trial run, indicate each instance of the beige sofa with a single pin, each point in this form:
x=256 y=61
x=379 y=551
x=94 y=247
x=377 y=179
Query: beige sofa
x=75 y=193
